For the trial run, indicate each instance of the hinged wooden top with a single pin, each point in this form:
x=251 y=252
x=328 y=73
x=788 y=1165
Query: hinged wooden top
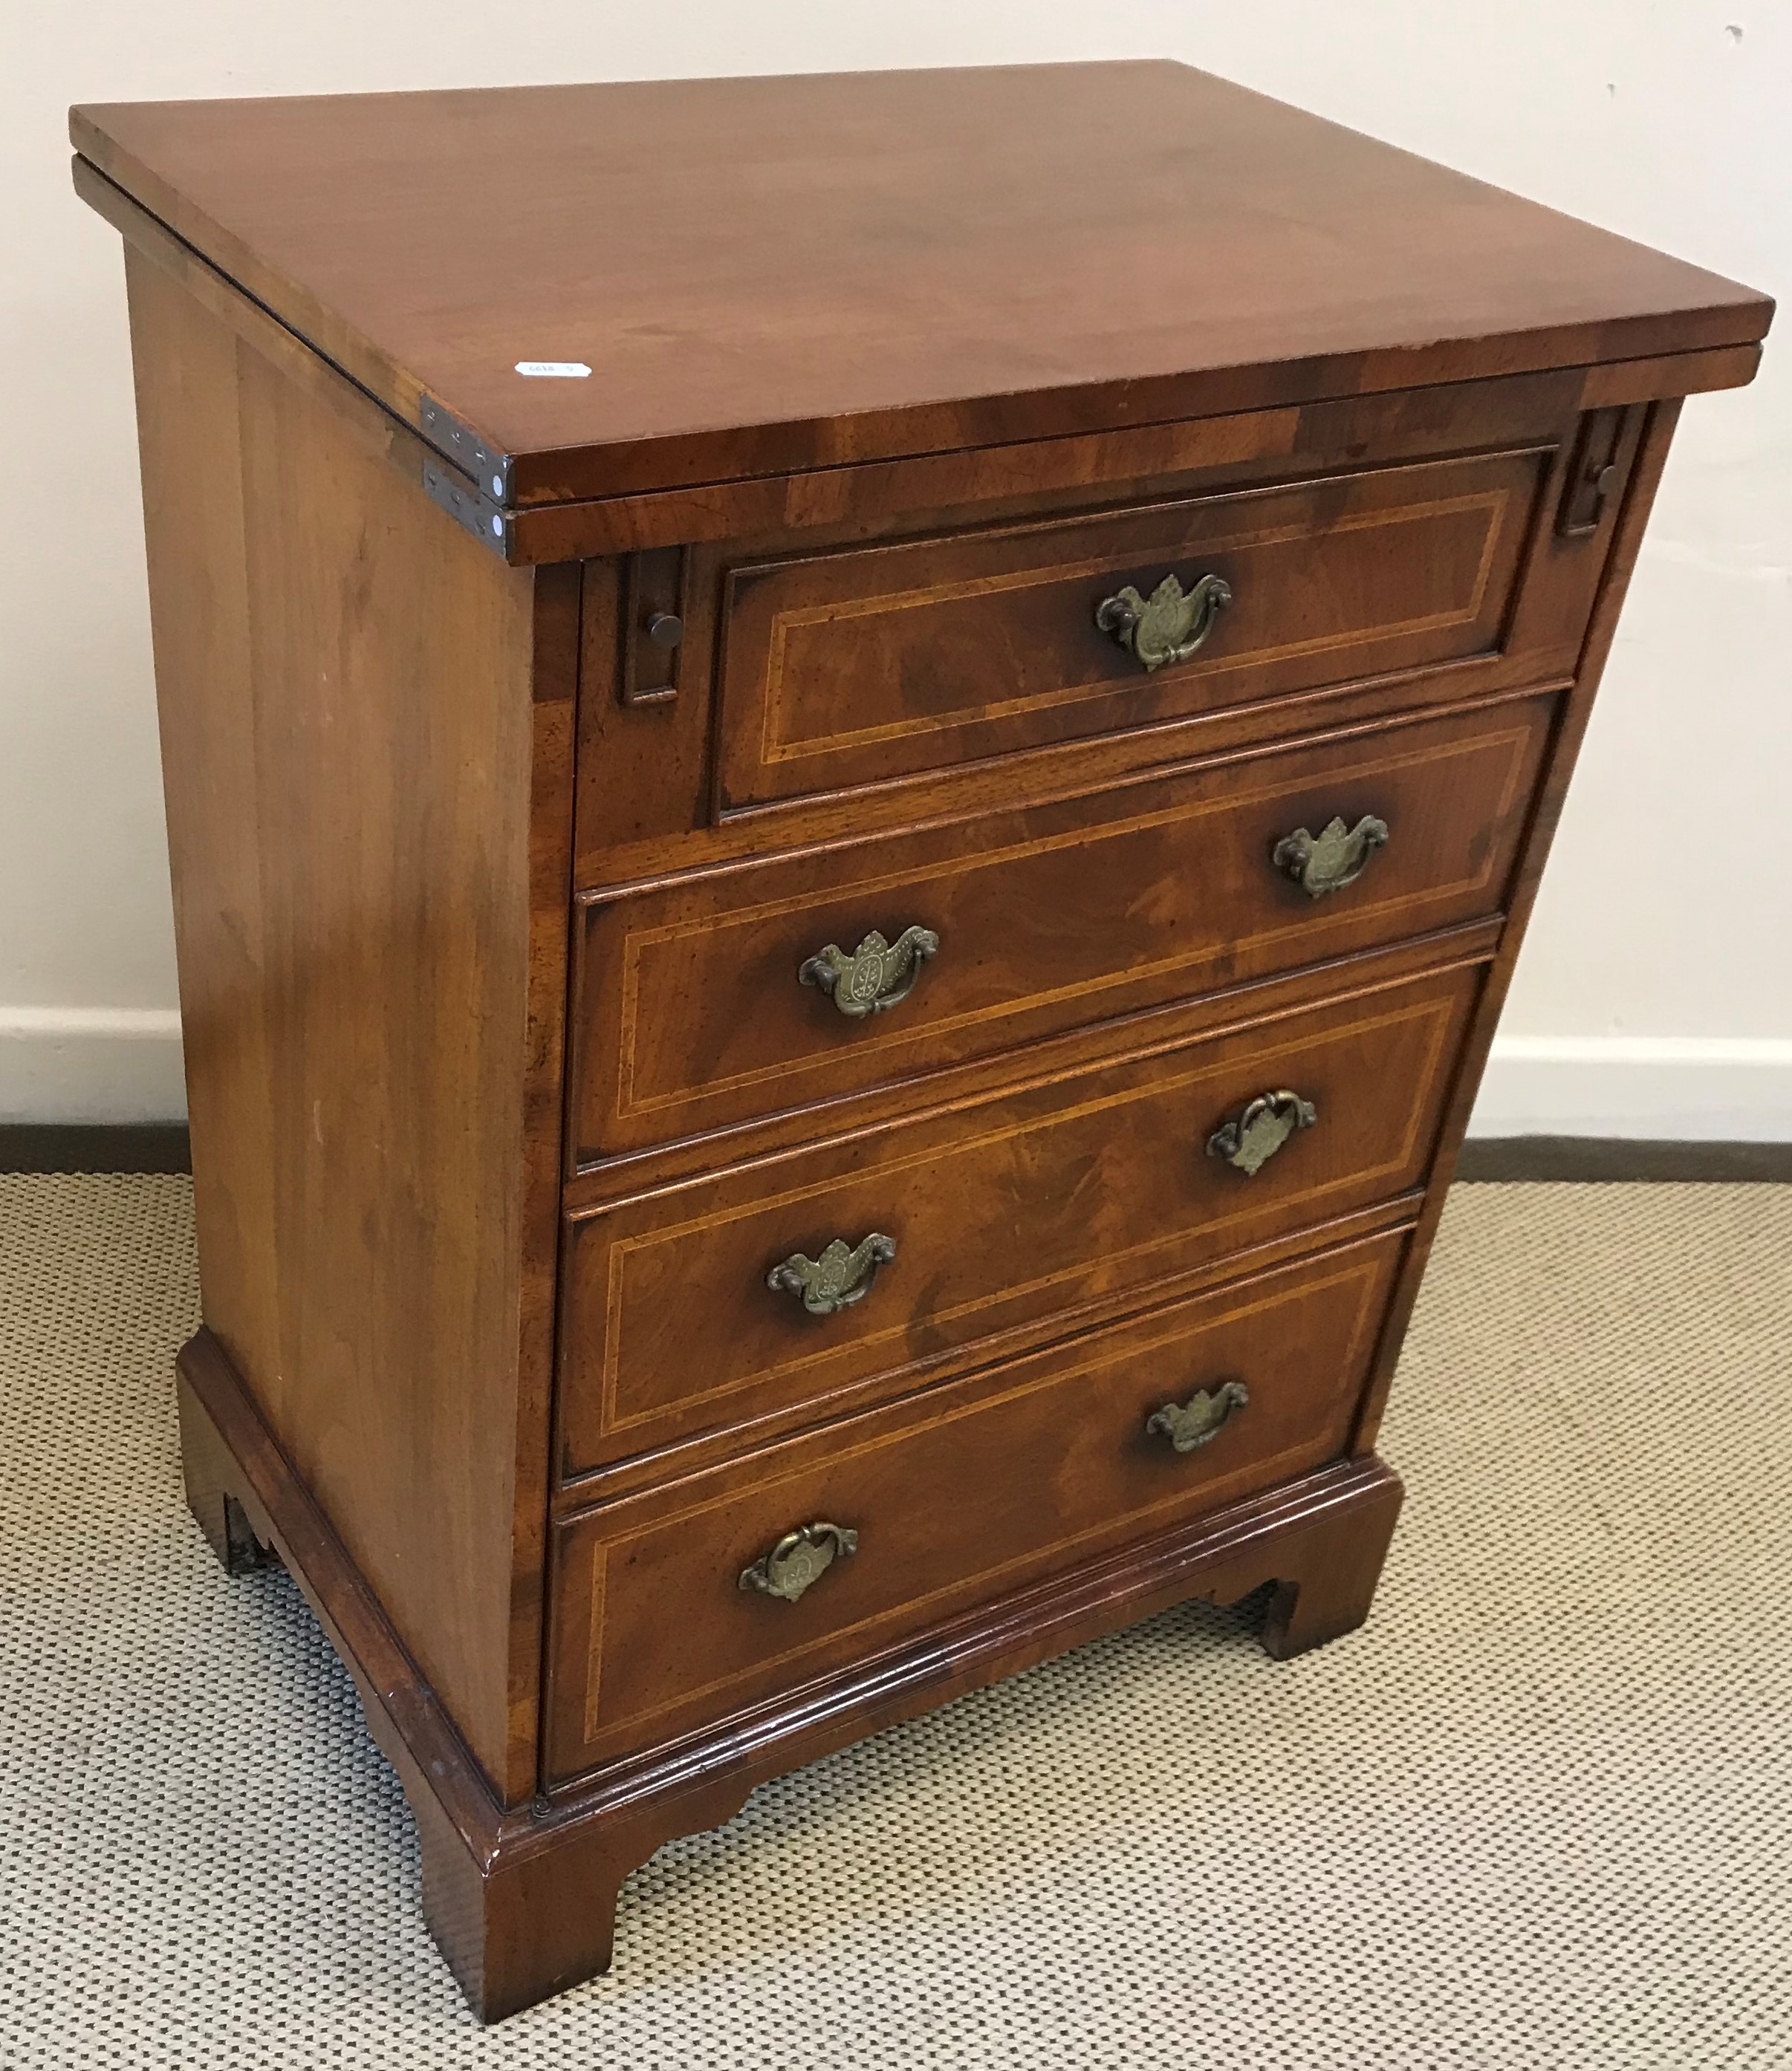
x=768 y=274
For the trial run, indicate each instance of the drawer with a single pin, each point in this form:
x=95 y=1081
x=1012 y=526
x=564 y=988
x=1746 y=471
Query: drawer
x=690 y=1015
x=955 y=1499
x=853 y=666
x=1092 y=1184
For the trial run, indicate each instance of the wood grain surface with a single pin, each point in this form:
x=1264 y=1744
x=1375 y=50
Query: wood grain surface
x=848 y=668
x=919 y=720
x=976 y=1486
x=689 y=1016
x=1077 y=1187
x=775 y=273
x=353 y=754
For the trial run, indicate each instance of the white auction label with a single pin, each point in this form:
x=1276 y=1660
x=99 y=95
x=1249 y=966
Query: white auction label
x=561 y=370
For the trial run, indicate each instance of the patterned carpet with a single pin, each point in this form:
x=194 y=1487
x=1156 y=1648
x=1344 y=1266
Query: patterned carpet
x=1537 y=1814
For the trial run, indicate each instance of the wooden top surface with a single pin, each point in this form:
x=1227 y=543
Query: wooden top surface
x=771 y=273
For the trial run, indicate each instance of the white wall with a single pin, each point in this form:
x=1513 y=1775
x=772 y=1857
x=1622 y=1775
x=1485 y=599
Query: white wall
x=1655 y=994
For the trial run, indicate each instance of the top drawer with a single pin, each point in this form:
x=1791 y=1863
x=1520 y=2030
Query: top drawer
x=853 y=666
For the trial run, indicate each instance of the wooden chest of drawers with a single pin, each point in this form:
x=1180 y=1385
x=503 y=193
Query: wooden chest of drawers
x=853 y=768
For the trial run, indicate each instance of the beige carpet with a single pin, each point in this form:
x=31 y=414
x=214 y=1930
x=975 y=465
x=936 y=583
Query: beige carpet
x=1538 y=1814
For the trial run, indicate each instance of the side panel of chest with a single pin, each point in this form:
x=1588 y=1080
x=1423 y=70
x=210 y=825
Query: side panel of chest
x=366 y=727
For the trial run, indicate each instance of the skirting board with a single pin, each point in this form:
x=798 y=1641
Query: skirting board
x=91 y=1064
x=94 y=1146
x=1664 y=1089
x=1618 y=1159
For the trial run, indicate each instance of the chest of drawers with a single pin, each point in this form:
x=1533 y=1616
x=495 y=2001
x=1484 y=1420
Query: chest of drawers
x=853 y=767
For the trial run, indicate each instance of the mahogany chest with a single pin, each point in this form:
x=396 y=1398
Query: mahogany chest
x=853 y=767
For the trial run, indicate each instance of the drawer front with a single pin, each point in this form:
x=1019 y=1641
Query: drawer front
x=851 y=667
x=956 y=1498
x=1090 y=1184
x=691 y=1016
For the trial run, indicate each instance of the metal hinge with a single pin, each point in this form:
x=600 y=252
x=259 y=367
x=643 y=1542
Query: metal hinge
x=470 y=455
x=475 y=489
x=483 y=518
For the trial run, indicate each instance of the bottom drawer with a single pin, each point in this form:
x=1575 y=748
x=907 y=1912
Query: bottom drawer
x=950 y=1499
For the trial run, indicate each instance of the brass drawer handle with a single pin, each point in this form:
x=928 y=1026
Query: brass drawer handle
x=1187 y=1425
x=1168 y=625
x=877 y=976
x=1253 y=1136
x=1333 y=858
x=799 y=1558
x=841 y=1276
